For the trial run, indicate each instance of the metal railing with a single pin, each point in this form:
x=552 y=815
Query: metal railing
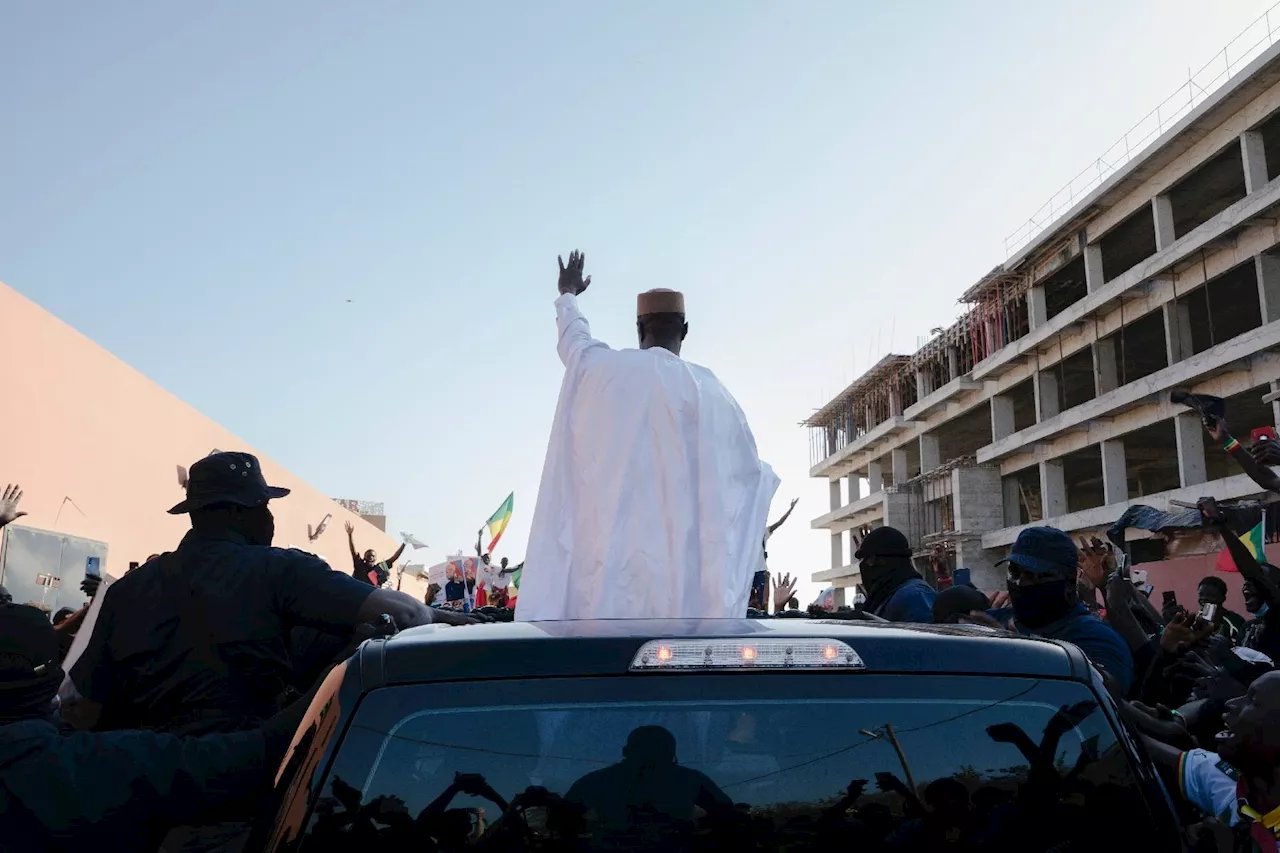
x=1239 y=52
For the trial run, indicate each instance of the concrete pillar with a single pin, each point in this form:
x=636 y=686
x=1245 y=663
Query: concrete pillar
x=924 y=385
x=875 y=476
x=953 y=363
x=981 y=565
x=1037 y=313
x=1106 y=369
x=977 y=495
x=839 y=597
x=1177 y=331
x=1162 y=212
x=899 y=460
x=1189 y=432
x=871 y=419
x=930 y=452
x=1255 y=160
x=902 y=512
x=1002 y=423
x=837 y=550
x=895 y=403
x=1053 y=490
x=1048 y=401
x=834 y=488
x=1012 y=500
x=1267 y=267
x=1115 y=477
x=1094 y=277
x=854 y=487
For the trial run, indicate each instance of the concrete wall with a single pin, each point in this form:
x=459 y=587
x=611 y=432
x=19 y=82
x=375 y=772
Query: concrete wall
x=79 y=424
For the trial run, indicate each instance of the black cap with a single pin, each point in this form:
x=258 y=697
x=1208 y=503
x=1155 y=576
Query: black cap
x=28 y=644
x=1044 y=551
x=883 y=542
x=227 y=478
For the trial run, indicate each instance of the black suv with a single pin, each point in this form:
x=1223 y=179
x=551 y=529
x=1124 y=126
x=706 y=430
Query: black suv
x=778 y=735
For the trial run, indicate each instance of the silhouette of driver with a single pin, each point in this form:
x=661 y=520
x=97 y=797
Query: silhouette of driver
x=646 y=784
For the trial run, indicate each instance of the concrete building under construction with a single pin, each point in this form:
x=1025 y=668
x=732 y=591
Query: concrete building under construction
x=1048 y=400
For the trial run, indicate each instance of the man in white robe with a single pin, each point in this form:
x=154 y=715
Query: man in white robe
x=653 y=500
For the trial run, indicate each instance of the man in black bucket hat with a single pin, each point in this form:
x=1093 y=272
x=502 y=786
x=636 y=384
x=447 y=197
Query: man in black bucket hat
x=198 y=640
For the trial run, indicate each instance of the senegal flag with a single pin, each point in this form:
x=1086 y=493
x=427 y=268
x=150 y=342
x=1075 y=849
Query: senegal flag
x=1253 y=540
x=497 y=522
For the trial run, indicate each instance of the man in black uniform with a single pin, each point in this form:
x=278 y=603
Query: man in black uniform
x=197 y=640
x=67 y=790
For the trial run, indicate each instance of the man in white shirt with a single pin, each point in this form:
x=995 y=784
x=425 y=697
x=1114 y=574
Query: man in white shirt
x=653 y=498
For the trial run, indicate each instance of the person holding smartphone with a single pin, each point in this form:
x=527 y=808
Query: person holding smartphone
x=1212 y=594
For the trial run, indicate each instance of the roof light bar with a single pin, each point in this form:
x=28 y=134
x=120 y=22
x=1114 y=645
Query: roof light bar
x=808 y=653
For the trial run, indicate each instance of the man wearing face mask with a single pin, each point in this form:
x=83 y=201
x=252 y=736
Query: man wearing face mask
x=1045 y=602
x=895 y=590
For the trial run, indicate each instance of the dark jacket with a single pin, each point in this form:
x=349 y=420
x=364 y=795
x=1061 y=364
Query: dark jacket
x=120 y=791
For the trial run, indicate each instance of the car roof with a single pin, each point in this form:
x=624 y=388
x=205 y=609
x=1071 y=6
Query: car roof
x=607 y=647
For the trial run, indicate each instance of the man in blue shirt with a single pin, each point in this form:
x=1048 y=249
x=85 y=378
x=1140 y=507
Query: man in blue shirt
x=1045 y=602
x=895 y=590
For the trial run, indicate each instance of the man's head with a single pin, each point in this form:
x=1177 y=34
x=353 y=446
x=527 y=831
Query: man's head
x=503 y=563
x=227 y=492
x=1212 y=591
x=1256 y=598
x=953 y=604
x=29 y=671
x=651 y=746
x=1251 y=740
x=371 y=557
x=1042 y=576
x=883 y=552
x=660 y=319
x=63 y=615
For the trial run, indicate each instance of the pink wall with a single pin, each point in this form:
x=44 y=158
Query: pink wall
x=71 y=425
x=1182 y=575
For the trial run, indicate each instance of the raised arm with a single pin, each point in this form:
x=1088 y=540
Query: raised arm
x=785 y=516
x=396 y=555
x=1240 y=555
x=574 y=331
x=479 y=538
x=1260 y=474
x=351 y=540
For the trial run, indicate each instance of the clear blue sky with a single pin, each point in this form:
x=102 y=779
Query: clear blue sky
x=201 y=187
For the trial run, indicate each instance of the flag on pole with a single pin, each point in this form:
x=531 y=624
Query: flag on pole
x=1253 y=540
x=411 y=540
x=497 y=522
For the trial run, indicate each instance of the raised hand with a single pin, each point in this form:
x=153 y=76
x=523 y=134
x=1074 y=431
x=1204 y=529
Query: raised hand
x=783 y=590
x=1097 y=561
x=9 y=500
x=571 y=280
x=351 y=528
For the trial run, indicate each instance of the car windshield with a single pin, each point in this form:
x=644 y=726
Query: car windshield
x=752 y=762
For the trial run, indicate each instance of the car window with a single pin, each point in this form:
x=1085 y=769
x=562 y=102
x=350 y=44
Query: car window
x=772 y=762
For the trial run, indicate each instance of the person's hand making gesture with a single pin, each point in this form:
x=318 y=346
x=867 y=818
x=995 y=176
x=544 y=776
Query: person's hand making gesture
x=571 y=280
x=783 y=590
x=9 y=500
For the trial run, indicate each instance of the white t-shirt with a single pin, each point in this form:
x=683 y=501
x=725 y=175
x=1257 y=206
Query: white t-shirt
x=1209 y=783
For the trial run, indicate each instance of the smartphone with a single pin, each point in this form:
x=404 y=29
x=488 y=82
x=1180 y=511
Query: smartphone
x=1263 y=434
x=1208 y=612
x=93 y=567
x=133 y=565
x=1170 y=598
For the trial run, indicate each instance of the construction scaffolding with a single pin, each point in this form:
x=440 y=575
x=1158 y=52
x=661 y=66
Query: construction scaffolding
x=995 y=315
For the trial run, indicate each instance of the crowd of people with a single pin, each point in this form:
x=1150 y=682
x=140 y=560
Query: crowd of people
x=165 y=731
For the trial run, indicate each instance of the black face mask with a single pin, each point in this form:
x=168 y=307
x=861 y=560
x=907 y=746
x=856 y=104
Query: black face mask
x=1040 y=604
